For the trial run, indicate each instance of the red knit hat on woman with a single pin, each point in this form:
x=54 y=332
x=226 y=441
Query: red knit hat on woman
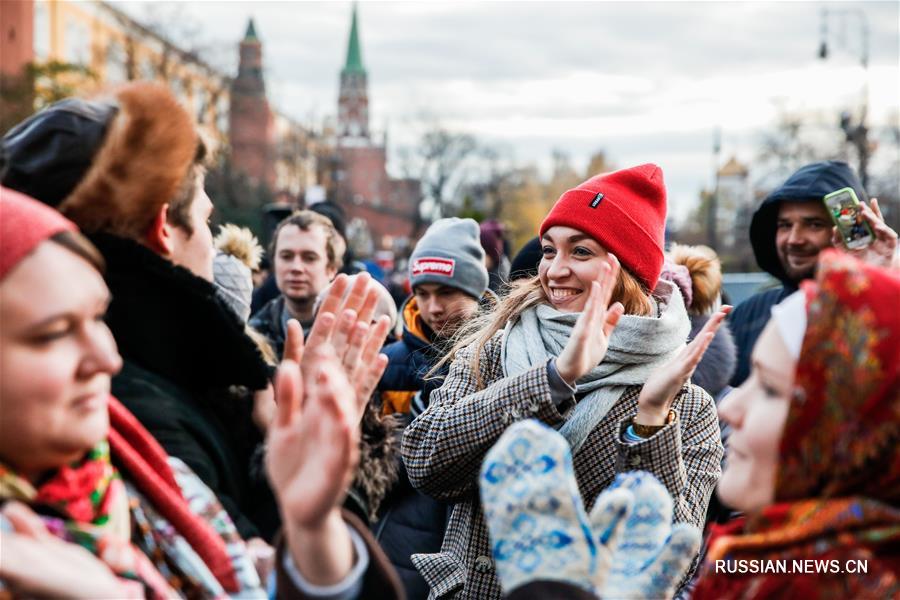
x=625 y=211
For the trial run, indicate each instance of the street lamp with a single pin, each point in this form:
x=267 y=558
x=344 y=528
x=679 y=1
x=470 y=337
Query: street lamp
x=855 y=133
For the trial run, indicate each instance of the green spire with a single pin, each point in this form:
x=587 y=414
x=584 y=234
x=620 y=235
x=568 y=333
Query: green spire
x=250 y=36
x=354 y=55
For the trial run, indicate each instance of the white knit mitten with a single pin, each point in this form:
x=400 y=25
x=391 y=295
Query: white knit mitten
x=652 y=555
x=534 y=513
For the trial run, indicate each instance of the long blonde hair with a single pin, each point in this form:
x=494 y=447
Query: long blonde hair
x=523 y=295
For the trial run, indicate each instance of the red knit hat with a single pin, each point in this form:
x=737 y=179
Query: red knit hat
x=24 y=224
x=625 y=211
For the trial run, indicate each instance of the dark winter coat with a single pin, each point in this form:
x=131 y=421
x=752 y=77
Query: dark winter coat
x=810 y=184
x=185 y=353
x=409 y=521
x=718 y=362
x=271 y=321
x=409 y=360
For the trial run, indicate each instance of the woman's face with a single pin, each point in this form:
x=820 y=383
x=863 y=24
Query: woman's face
x=757 y=412
x=57 y=361
x=571 y=261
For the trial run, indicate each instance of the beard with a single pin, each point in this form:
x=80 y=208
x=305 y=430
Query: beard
x=798 y=273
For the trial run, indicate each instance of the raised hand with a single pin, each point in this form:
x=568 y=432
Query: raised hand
x=883 y=249
x=312 y=446
x=312 y=451
x=652 y=555
x=590 y=337
x=667 y=380
x=352 y=336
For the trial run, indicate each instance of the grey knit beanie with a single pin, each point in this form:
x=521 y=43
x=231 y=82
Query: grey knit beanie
x=450 y=253
x=234 y=282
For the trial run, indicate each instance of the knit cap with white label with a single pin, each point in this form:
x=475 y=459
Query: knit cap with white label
x=450 y=254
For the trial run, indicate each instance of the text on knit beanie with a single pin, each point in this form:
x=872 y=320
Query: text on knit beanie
x=24 y=224
x=625 y=212
x=450 y=253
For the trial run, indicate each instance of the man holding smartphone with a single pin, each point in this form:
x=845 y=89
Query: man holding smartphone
x=788 y=231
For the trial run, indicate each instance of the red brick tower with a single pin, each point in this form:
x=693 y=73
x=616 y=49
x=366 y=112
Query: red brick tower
x=251 y=130
x=353 y=101
x=385 y=207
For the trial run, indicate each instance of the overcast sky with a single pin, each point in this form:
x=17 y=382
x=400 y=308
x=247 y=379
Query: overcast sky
x=644 y=81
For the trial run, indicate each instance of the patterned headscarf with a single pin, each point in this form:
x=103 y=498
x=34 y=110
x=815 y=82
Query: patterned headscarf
x=843 y=427
x=837 y=488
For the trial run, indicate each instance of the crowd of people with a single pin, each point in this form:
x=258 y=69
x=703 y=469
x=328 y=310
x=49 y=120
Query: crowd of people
x=585 y=419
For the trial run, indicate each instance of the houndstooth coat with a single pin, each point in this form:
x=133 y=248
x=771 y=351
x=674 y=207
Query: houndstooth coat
x=443 y=449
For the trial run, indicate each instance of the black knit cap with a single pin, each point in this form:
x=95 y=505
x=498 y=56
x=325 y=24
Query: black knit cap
x=48 y=154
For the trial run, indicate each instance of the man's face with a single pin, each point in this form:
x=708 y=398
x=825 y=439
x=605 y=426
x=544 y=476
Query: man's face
x=301 y=262
x=195 y=251
x=803 y=229
x=444 y=308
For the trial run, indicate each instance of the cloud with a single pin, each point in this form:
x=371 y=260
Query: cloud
x=644 y=80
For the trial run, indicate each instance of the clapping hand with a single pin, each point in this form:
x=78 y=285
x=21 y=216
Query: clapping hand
x=321 y=390
x=590 y=337
x=881 y=252
x=354 y=339
x=666 y=381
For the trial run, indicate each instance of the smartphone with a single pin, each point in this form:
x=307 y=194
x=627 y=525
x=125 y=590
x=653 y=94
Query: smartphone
x=846 y=212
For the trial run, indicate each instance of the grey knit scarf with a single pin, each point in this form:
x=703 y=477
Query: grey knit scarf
x=637 y=346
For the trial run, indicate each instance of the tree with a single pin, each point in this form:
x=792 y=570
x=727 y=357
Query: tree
x=38 y=86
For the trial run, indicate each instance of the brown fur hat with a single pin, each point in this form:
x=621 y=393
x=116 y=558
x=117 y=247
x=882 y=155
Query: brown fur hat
x=143 y=163
x=703 y=264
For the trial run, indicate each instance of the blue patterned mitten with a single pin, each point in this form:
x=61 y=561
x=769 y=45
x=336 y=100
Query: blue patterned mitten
x=652 y=555
x=539 y=529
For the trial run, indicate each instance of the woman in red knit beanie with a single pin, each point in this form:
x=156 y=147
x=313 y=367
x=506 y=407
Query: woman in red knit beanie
x=92 y=506
x=594 y=346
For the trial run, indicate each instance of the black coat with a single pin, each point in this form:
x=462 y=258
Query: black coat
x=186 y=362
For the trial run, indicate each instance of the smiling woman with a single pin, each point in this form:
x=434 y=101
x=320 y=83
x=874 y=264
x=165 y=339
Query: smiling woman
x=812 y=457
x=586 y=348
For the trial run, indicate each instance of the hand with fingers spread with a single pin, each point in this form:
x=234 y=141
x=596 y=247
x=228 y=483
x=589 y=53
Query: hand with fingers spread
x=590 y=337
x=312 y=452
x=353 y=337
x=665 y=382
x=882 y=252
x=652 y=555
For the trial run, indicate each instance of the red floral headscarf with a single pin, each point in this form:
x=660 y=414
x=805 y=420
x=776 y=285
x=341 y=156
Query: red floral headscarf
x=838 y=482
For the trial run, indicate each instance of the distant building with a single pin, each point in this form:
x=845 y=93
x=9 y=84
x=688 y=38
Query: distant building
x=734 y=197
x=379 y=208
x=251 y=130
x=110 y=47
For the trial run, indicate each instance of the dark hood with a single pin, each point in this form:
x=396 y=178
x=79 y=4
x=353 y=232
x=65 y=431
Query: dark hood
x=809 y=184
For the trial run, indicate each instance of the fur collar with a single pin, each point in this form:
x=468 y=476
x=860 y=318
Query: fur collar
x=171 y=322
x=379 y=459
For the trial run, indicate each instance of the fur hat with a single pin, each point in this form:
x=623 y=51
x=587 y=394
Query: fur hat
x=705 y=271
x=133 y=155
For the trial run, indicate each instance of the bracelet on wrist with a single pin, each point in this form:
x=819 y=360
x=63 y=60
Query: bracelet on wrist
x=646 y=431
